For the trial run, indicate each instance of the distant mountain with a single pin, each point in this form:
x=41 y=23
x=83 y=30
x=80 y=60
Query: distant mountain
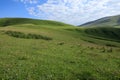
x=104 y=22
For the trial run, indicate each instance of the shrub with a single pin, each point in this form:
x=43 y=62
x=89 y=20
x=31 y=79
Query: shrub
x=110 y=50
x=85 y=76
x=89 y=47
x=110 y=45
x=22 y=58
x=61 y=43
x=26 y=36
x=103 y=49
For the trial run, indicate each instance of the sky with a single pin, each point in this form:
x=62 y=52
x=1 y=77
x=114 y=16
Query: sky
x=74 y=12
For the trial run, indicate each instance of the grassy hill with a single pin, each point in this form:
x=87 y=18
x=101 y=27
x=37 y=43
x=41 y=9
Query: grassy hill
x=106 y=21
x=104 y=33
x=15 y=21
x=47 y=50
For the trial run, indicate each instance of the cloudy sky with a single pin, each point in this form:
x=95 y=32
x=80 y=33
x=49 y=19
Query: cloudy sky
x=74 y=12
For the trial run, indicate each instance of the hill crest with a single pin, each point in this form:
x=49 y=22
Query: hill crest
x=14 y=21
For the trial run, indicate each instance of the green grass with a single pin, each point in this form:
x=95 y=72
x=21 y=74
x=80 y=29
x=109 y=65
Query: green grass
x=70 y=55
x=16 y=21
x=104 y=33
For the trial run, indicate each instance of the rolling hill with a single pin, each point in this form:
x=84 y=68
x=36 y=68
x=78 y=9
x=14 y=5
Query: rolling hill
x=48 y=50
x=105 y=22
x=16 y=21
x=105 y=33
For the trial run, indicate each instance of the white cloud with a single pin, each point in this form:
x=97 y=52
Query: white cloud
x=28 y=1
x=73 y=11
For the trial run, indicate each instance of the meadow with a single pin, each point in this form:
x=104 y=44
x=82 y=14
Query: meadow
x=35 y=50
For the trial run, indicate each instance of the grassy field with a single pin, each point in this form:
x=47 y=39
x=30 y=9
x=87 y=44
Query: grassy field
x=50 y=50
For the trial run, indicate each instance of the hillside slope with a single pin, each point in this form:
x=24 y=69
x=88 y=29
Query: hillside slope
x=16 y=21
x=36 y=50
x=104 y=32
x=106 y=21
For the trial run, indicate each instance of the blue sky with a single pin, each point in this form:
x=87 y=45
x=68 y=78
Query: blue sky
x=69 y=11
x=9 y=8
x=14 y=8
